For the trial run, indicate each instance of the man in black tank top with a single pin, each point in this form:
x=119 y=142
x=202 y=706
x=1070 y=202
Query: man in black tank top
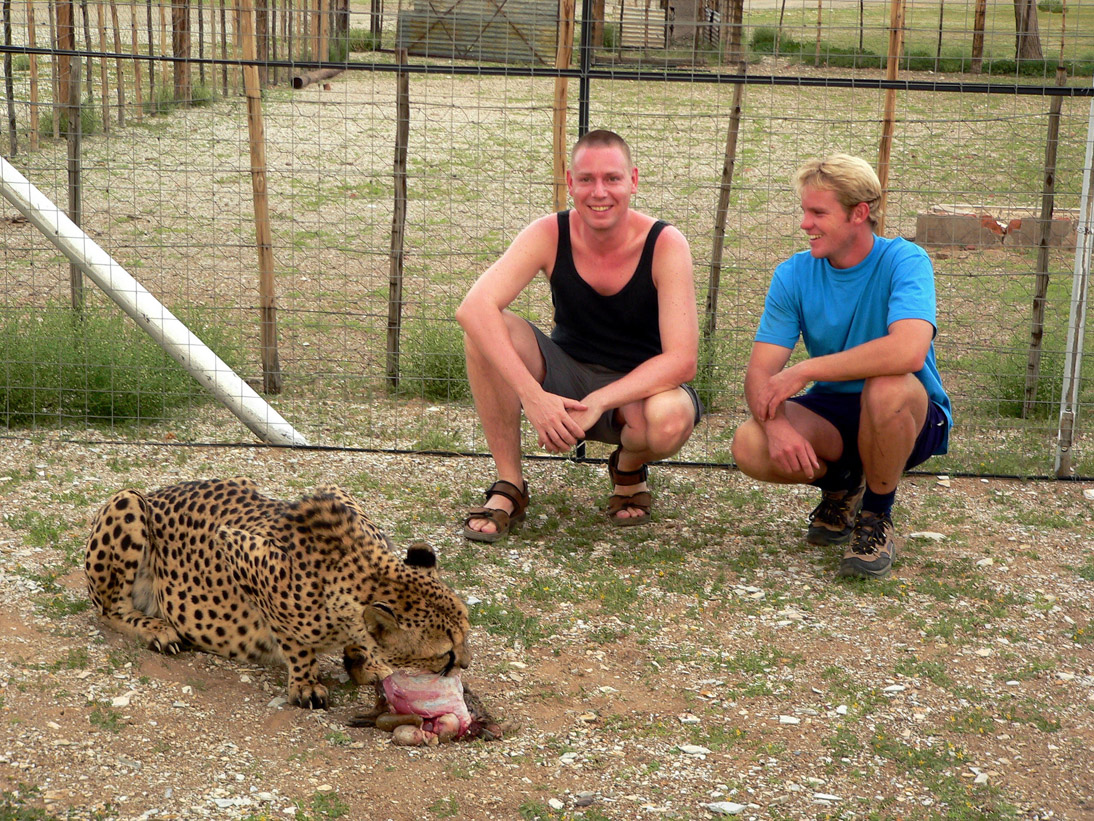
x=624 y=343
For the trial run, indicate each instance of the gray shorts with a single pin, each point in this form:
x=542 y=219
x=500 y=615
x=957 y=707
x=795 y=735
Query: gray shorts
x=567 y=377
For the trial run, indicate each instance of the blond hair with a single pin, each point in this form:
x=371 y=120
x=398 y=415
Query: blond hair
x=851 y=179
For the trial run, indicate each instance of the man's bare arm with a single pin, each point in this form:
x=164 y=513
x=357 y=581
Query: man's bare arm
x=902 y=350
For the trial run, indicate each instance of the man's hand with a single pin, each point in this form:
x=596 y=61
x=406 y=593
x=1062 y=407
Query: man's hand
x=775 y=390
x=553 y=418
x=791 y=452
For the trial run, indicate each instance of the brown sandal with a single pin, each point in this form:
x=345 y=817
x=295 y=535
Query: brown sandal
x=616 y=502
x=504 y=522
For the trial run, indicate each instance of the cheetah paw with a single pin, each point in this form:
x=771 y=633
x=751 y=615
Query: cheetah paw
x=308 y=696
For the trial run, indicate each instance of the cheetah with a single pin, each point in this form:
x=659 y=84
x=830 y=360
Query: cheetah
x=217 y=566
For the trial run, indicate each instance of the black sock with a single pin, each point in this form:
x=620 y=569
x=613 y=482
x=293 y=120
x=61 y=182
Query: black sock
x=879 y=503
x=839 y=476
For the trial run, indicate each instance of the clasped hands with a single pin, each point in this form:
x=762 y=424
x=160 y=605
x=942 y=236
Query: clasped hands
x=560 y=422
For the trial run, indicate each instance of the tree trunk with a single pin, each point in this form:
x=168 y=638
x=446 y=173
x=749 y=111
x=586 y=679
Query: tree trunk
x=180 y=42
x=1027 y=37
x=978 y=36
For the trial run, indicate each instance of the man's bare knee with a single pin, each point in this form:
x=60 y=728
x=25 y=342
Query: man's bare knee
x=749 y=449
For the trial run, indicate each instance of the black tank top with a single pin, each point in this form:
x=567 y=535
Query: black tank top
x=619 y=331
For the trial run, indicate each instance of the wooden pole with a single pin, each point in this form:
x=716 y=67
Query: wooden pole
x=54 y=71
x=398 y=220
x=820 y=19
x=223 y=48
x=235 y=47
x=138 y=77
x=65 y=39
x=779 y=29
x=104 y=79
x=180 y=49
x=9 y=82
x=201 y=42
x=87 y=43
x=69 y=84
x=33 y=43
x=938 y=48
x=118 y=64
x=74 y=138
x=163 y=50
x=978 y=36
x=729 y=162
x=562 y=61
x=271 y=367
x=316 y=75
x=896 y=30
x=151 y=52
x=1044 y=236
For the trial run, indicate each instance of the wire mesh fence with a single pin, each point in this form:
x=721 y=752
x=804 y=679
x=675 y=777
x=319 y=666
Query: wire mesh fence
x=139 y=125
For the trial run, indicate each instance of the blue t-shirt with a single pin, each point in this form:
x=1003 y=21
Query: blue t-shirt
x=834 y=309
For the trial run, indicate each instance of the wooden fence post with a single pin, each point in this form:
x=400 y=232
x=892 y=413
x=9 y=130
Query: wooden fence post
x=562 y=61
x=1044 y=235
x=104 y=69
x=138 y=77
x=896 y=35
x=398 y=221
x=271 y=367
x=9 y=83
x=32 y=41
x=119 y=65
x=729 y=162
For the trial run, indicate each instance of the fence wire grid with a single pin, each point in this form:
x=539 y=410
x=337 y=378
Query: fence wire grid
x=138 y=126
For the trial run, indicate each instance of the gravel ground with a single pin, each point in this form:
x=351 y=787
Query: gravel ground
x=708 y=664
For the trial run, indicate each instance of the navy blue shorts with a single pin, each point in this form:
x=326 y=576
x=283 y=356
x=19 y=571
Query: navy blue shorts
x=843 y=411
x=567 y=377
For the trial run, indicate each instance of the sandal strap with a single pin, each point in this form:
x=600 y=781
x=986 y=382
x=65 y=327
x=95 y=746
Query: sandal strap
x=491 y=514
x=625 y=478
x=508 y=490
x=641 y=500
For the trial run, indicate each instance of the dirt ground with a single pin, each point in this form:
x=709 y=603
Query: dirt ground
x=739 y=678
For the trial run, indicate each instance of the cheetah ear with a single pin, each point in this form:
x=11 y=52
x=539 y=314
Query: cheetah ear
x=381 y=617
x=419 y=554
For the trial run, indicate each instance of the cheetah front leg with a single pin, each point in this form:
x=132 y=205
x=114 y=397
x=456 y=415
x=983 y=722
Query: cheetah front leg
x=265 y=576
x=119 y=572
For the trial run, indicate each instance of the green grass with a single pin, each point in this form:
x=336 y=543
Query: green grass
x=431 y=361
x=57 y=366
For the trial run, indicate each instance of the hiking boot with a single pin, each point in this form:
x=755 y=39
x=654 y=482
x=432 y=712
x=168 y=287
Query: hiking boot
x=872 y=550
x=833 y=520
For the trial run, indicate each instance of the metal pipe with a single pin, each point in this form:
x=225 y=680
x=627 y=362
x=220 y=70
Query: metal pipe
x=1076 y=323
x=147 y=311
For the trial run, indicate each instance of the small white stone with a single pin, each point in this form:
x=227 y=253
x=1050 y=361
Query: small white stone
x=726 y=808
x=927 y=534
x=825 y=796
x=789 y=720
x=841 y=710
x=555 y=804
x=895 y=688
x=693 y=749
x=1088 y=493
x=985 y=562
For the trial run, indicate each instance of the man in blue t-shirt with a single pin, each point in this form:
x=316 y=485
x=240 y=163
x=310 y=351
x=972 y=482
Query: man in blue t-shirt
x=864 y=306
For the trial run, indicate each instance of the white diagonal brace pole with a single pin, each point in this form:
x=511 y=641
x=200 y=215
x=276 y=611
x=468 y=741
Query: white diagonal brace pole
x=148 y=312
